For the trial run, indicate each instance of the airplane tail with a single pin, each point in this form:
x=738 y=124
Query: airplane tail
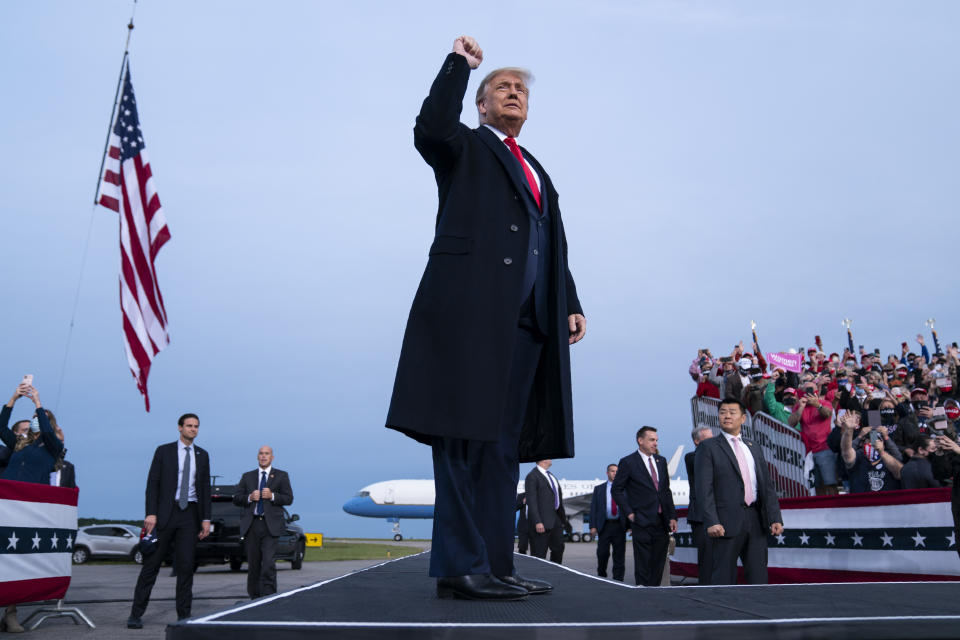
x=674 y=461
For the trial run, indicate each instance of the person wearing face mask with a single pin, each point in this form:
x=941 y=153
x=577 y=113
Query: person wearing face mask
x=917 y=473
x=780 y=411
x=34 y=449
x=33 y=457
x=813 y=415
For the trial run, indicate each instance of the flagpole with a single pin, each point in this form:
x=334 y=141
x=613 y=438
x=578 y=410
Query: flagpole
x=96 y=196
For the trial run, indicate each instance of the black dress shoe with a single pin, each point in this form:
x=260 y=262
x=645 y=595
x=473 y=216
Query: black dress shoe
x=478 y=587
x=530 y=584
x=134 y=622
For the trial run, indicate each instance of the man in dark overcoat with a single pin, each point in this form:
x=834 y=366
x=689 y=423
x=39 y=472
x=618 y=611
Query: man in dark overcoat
x=484 y=372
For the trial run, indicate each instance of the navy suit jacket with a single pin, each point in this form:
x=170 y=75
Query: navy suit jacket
x=163 y=480
x=634 y=491
x=598 y=509
x=720 y=486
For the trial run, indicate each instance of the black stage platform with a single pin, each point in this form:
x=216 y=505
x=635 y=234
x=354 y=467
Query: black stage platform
x=398 y=600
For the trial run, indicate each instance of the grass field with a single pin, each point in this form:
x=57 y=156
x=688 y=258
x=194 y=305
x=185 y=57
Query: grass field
x=357 y=551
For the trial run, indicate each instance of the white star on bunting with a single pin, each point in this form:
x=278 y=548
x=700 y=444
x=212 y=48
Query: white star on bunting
x=54 y=541
x=887 y=540
x=857 y=540
x=781 y=538
x=69 y=542
x=13 y=540
x=951 y=540
x=36 y=540
x=804 y=538
x=918 y=540
x=830 y=538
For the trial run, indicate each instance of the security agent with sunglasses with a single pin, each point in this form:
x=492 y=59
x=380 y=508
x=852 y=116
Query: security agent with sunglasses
x=484 y=371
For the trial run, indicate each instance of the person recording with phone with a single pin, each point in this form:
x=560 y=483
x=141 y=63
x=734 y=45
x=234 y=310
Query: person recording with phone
x=813 y=413
x=32 y=457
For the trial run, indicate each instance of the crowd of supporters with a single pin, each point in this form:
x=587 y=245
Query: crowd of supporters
x=868 y=423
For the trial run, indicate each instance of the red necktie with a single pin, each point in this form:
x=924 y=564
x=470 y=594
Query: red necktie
x=656 y=484
x=613 y=507
x=515 y=150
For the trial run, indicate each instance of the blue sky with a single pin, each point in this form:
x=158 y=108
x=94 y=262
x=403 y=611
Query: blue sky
x=717 y=162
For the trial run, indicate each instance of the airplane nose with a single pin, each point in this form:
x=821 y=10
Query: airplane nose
x=352 y=506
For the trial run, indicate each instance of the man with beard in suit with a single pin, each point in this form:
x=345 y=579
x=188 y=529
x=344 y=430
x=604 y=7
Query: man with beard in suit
x=642 y=491
x=484 y=371
x=263 y=493
x=178 y=512
x=736 y=499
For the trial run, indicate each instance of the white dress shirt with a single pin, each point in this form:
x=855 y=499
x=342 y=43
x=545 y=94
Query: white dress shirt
x=610 y=515
x=181 y=455
x=751 y=465
x=260 y=471
x=646 y=465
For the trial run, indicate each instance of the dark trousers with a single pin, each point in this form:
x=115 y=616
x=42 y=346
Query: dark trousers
x=613 y=534
x=649 y=552
x=704 y=546
x=523 y=534
x=261 y=568
x=181 y=530
x=476 y=483
x=750 y=545
x=550 y=539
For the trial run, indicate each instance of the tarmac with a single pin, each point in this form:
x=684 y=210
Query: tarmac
x=104 y=592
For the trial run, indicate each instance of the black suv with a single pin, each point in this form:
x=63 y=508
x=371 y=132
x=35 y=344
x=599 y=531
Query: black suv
x=224 y=544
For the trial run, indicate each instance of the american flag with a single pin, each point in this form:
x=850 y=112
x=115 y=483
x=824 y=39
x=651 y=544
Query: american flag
x=127 y=187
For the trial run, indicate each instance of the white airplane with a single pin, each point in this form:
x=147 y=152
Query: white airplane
x=396 y=499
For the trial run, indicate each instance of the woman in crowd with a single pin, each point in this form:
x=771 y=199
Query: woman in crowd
x=32 y=459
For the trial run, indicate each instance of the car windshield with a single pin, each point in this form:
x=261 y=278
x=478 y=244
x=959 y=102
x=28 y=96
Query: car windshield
x=221 y=510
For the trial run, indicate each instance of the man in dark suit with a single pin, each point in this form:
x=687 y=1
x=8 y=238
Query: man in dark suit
x=736 y=499
x=642 y=491
x=262 y=493
x=704 y=563
x=178 y=512
x=609 y=524
x=484 y=371
x=546 y=517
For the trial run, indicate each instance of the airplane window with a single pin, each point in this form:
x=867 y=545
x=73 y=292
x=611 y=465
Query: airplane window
x=362 y=494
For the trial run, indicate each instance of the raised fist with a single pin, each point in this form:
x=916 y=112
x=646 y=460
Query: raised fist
x=469 y=49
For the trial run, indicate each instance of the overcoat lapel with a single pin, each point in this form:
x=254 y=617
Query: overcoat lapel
x=513 y=168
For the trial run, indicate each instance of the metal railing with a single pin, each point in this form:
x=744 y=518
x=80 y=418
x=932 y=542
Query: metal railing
x=782 y=447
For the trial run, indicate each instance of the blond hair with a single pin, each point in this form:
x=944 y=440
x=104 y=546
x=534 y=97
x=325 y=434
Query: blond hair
x=524 y=74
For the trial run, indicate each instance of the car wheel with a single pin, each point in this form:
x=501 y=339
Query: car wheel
x=587 y=537
x=398 y=537
x=80 y=555
x=297 y=562
x=235 y=563
x=575 y=537
x=138 y=556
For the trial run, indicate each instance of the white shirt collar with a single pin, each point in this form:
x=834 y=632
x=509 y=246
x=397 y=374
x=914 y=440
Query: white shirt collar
x=502 y=136
x=260 y=469
x=544 y=472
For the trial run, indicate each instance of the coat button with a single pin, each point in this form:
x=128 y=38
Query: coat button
x=515 y=197
x=535 y=252
x=514 y=227
x=508 y=261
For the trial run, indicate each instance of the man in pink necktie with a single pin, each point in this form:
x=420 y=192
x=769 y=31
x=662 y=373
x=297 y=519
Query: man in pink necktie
x=736 y=500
